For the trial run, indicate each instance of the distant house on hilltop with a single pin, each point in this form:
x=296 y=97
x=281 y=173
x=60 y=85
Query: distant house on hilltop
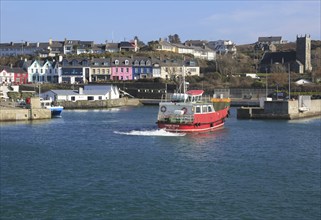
x=270 y=40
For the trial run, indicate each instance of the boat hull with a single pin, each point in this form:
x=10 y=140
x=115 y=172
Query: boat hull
x=201 y=123
x=55 y=111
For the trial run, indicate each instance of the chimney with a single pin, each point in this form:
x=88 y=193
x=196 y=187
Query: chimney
x=50 y=41
x=81 y=90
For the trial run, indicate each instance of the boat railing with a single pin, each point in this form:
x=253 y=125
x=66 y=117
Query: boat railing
x=182 y=119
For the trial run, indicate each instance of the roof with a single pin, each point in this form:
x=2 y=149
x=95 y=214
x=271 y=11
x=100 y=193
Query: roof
x=195 y=92
x=126 y=44
x=278 y=57
x=12 y=69
x=97 y=87
x=75 y=92
x=270 y=39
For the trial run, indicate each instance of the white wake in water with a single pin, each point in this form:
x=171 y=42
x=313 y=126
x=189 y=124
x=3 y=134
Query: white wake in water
x=159 y=132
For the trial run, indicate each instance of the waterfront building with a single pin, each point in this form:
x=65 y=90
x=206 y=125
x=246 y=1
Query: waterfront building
x=13 y=76
x=156 y=69
x=142 y=68
x=74 y=71
x=121 y=68
x=88 y=93
x=171 y=69
x=100 y=69
x=43 y=71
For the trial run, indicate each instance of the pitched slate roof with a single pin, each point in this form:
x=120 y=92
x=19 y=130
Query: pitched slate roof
x=278 y=57
x=97 y=87
x=270 y=39
x=85 y=92
x=12 y=69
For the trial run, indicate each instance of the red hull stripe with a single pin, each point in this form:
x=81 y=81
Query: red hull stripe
x=163 y=126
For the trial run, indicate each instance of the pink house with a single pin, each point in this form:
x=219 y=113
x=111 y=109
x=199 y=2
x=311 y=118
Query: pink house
x=121 y=69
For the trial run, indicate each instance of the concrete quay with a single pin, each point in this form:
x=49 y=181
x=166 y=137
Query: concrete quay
x=285 y=110
x=35 y=112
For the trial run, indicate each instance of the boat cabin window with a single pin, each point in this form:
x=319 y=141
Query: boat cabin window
x=204 y=108
x=209 y=108
x=197 y=109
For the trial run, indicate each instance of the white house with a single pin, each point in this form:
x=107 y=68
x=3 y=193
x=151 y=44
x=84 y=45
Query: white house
x=6 y=77
x=89 y=93
x=43 y=71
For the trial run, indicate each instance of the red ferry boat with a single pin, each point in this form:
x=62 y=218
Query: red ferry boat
x=188 y=112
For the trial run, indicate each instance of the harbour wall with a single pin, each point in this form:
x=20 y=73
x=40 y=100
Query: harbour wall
x=111 y=103
x=280 y=110
x=33 y=112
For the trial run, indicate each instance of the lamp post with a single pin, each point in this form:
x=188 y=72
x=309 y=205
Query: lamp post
x=277 y=91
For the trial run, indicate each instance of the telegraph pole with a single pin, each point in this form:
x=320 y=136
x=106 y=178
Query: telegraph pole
x=289 y=82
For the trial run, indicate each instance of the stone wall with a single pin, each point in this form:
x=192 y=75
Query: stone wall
x=24 y=114
x=99 y=104
x=276 y=107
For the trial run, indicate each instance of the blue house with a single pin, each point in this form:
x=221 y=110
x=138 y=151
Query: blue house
x=142 y=68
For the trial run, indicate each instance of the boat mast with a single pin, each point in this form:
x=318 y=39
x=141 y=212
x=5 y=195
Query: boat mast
x=184 y=89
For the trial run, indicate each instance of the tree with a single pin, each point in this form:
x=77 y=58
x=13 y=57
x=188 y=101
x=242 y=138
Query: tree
x=174 y=39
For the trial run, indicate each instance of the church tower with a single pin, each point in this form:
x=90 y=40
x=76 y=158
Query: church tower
x=303 y=51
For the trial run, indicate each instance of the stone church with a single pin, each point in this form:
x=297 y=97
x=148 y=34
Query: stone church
x=298 y=61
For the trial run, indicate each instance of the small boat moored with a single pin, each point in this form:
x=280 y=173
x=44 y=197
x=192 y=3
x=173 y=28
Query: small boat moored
x=55 y=110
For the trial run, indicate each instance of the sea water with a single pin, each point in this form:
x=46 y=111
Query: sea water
x=116 y=164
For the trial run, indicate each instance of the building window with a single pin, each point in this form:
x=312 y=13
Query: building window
x=116 y=62
x=100 y=97
x=103 y=71
x=127 y=70
x=126 y=62
x=94 y=71
x=121 y=69
x=116 y=70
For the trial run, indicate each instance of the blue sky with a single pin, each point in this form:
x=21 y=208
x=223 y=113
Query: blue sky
x=240 y=21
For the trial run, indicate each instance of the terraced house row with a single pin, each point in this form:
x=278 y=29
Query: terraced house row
x=100 y=69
